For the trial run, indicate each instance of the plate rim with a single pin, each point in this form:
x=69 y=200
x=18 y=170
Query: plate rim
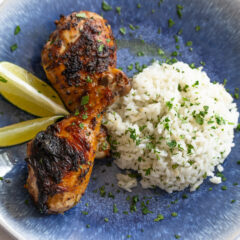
x=9 y=229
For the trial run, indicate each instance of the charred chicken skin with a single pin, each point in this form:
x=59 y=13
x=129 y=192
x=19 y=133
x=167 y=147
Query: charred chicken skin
x=79 y=60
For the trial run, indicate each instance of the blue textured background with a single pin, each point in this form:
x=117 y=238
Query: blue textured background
x=205 y=214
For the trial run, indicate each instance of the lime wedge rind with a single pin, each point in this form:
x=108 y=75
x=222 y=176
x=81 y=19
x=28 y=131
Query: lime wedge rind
x=24 y=131
x=28 y=92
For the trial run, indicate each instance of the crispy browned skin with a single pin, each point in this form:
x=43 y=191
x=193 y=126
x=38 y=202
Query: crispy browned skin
x=77 y=50
x=95 y=32
x=60 y=159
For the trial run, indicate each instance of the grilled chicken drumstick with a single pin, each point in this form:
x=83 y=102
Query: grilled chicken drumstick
x=79 y=60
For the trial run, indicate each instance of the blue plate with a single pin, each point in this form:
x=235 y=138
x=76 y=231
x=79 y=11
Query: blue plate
x=204 y=214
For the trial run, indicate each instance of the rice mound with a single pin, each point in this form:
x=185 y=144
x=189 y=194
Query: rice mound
x=173 y=128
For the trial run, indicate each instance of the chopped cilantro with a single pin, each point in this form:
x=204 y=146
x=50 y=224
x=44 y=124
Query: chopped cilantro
x=84 y=100
x=199 y=119
x=87 y=226
x=139 y=5
x=174 y=166
x=172 y=144
x=84 y=116
x=174 y=54
x=170 y=22
x=133 y=135
x=130 y=67
x=159 y=218
x=205 y=109
x=180 y=31
x=159 y=2
x=177 y=236
x=102 y=191
x=197 y=28
x=179 y=10
x=195 y=84
x=104 y=146
x=140 y=54
x=176 y=39
x=134 y=201
x=192 y=65
x=138 y=67
x=81 y=125
x=84 y=213
x=115 y=209
x=81 y=15
x=236 y=93
x=88 y=79
x=204 y=175
x=106 y=6
x=184 y=196
x=166 y=126
x=179 y=88
x=224 y=188
x=219 y=174
x=161 y=52
x=220 y=120
x=76 y=112
x=189 y=148
x=174 y=214
x=224 y=82
x=106 y=219
x=185 y=88
x=145 y=210
x=13 y=47
x=118 y=9
x=110 y=195
x=100 y=48
x=147 y=171
x=189 y=43
x=17 y=30
x=142 y=128
x=172 y=61
x=169 y=105
x=131 y=27
x=122 y=30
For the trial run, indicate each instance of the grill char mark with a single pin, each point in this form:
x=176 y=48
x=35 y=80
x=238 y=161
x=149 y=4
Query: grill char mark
x=52 y=157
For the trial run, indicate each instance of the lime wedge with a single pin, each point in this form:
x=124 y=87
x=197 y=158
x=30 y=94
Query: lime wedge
x=28 y=92
x=24 y=131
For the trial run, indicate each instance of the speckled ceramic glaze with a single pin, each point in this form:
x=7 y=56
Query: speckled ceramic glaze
x=205 y=214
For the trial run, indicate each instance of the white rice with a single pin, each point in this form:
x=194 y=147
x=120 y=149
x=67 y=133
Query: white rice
x=174 y=127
